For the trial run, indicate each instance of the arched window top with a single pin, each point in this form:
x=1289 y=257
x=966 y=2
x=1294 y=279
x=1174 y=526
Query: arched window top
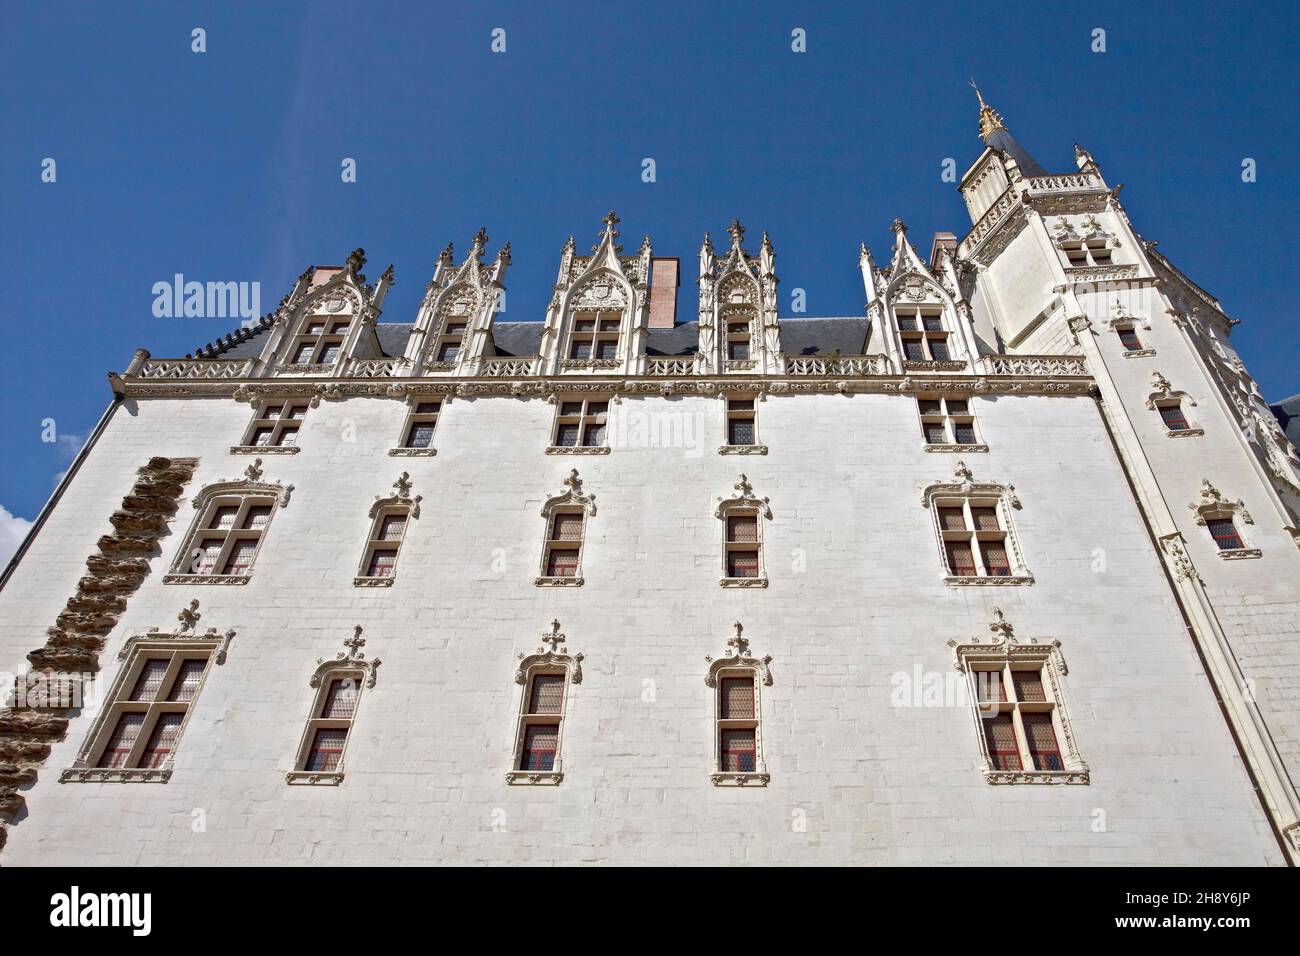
x=738 y=289
x=250 y=485
x=738 y=657
x=400 y=501
x=572 y=497
x=349 y=661
x=552 y=656
x=744 y=500
x=1165 y=392
x=1213 y=505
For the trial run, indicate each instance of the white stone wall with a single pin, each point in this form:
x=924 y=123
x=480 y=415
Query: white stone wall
x=856 y=597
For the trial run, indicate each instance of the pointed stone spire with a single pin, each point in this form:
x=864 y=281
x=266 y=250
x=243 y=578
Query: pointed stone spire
x=479 y=244
x=995 y=134
x=990 y=119
x=611 y=220
x=737 y=232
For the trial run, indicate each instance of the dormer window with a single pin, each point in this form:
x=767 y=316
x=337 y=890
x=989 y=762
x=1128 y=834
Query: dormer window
x=320 y=342
x=737 y=341
x=923 y=336
x=594 y=336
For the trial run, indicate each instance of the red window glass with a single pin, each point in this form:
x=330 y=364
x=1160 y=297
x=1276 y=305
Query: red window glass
x=1041 y=737
x=1173 y=417
x=737 y=698
x=995 y=559
x=392 y=528
x=150 y=680
x=326 y=749
x=1129 y=339
x=986 y=519
x=381 y=564
x=990 y=687
x=961 y=561
x=122 y=740
x=742 y=564
x=1225 y=533
x=952 y=519
x=934 y=433
x=1029 y=686
x=224 y=517
x=341 y=699
x=1000 y=734
x=205 y=562
x=241 y=557
x=540 y=743
x=162 y=741
x=562 y=563
x=742 y=529
x=739 y=752
x=547 y=694
x=566 y=527
x=740 y=431
x=257 y=518
x=187 y=680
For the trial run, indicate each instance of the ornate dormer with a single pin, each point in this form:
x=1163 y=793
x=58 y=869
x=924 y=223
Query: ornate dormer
x=454 y=324
x=739 y=330
x=918 y=314
x=326 y=321
x=600 y=308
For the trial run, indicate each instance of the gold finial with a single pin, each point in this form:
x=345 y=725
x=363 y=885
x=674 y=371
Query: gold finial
x=990 y=119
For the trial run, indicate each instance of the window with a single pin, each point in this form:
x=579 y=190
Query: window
x=449 y=342
x=387 y=531
x=594 y=336
x=417 y=433
x=227 y=536
x=564 y=544
x=923 y=336
x=735 y=678
x=545 y=679
x=143 y=724
x=1080 y=253
x=1171 y=413
x=742 y=540
x=1128 y=338
x=1224 y=532
x=275 y=426
x=339 y=685
x=948 y=421
x=976 y=538
x=319 y=342
x=741 y=428
x=742 y=546
x=580 y=424
x=737 y=340
x=1023 y=727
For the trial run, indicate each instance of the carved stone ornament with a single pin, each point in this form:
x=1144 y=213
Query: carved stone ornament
x=250 y=484
x=351 y=658
x=743 y=499
x=966 y=485
x=551 y=653
x=738 y=655
x=573 y=495
x=1214 y=504
x=402 y=499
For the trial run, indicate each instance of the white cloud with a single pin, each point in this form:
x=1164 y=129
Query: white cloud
x=12 y=531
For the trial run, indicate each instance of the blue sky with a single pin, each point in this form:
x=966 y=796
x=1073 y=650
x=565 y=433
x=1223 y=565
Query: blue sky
x=225 y=165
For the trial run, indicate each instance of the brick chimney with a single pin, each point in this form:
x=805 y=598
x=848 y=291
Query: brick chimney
x=942 y=240
x=663 y=291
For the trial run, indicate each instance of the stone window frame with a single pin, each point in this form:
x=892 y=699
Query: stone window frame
x=243 y=494
x=262 y=421
x=583 y=419
x=350 y=663
x=329 y=336
x=1166 y=396
x=400 y=503
x=729 y=415
x=177 y=646
x=457 y=305
x=1214 y=506
x=416 y=417
x=743 y=503
x=607 y=328
x=917 y=313
x=949 y=420
x=738 y=661
x=966 y=490
x=551 y=658
x=573 y=500
x=1003 y=655
x=599 y=295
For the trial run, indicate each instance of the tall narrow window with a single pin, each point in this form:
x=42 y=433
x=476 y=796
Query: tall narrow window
x=449 y=342
x=737 y=732
x=580 y=424
x=742 y=538
x=275 y=425
x=1172 y=415
x=417 y=432
x=227 y=537
x=948 y=421
x=976 y=538
x=1128 y=338
x=1225 y=535
x=389 y=518
x=742 y=545
x=339 y=686
x=566 y=524
x=545 y=679
x=1023 y=727
x=738 y=341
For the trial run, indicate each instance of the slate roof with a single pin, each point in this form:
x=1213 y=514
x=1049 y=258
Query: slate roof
x=799 y=336
x=1001 y=139
x=1287 y=412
